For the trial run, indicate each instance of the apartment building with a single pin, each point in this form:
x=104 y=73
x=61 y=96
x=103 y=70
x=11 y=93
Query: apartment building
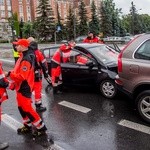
x=26 y=10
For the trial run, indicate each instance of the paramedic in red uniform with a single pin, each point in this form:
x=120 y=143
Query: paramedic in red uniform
x=23 y=76
x=61 y=55
x=91 y=38
x=40 y=68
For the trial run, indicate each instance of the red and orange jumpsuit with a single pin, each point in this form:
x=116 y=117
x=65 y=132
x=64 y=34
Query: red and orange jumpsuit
x=93 y=40
x=61 y=55
x=41 y=67
x=23 y=76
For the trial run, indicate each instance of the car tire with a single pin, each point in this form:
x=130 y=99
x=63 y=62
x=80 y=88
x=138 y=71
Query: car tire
x=108 y=88
x=143 y=103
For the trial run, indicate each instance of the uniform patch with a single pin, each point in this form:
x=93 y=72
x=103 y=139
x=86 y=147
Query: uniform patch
x=24 y=68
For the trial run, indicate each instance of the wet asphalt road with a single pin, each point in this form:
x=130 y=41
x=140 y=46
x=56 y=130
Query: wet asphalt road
x=74 y=130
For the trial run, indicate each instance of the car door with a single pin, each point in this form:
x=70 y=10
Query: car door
x=74 y=73
x=48 y=53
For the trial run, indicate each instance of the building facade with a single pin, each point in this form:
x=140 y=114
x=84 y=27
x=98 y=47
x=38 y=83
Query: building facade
x=26 y=11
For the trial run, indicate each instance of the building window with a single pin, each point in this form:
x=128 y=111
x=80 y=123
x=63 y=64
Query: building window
x=8 y=2
x=28 y=1
x=28 y=9
x=20 y=9
x=2 y=13
x=1 y=2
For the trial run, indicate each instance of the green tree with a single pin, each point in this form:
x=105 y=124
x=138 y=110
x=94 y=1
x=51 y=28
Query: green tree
x=28 y=30
x=134 y=21
x=45 y=24
x=70 y=24
x=83 y=25
x=94 y=24
x=14 y=23
x=106 y=17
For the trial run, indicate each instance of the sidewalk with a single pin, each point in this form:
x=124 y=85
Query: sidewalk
x=6 y=49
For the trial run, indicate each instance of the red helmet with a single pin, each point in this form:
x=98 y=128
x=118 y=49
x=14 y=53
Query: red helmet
x=65 y=47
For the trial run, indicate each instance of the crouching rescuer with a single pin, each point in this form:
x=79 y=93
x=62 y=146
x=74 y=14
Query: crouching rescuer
x=23 y=76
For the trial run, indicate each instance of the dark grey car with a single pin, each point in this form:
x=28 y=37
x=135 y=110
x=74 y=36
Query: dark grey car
x=99 y=71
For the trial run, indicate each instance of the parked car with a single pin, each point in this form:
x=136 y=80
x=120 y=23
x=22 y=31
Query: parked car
x=99 y=71
x=134 y=73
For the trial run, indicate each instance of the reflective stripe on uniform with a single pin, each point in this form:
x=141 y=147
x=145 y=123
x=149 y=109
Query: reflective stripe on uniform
x=44 y=60
x=2 y=76
x=40 y=126
x=36 y=123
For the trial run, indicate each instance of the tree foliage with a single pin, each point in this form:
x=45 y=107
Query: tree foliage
x=45 y=24
x=83 y=21
x=70 y=24
x=94 y=24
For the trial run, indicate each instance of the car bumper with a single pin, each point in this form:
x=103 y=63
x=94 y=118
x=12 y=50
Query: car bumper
x=120 y=87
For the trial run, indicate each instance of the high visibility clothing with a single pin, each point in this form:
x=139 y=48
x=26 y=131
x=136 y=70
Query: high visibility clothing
x=37 y=91
x=15 y=53
x=61 y=55
x=93 y=40
x=23 y=75
x=82 y=60
x=40 y=68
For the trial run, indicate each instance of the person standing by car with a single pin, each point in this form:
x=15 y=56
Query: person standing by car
x=15 y=53
x=92 y=38
x=61 y=55
x=23 y=76
x=40 y=67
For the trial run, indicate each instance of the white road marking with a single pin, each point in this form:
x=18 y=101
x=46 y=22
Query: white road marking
x=75 y=106
x=135 y=126
x=6 y=60
x=14 y=124
x=11 y=122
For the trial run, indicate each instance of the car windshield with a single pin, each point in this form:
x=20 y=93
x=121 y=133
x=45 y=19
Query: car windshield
x=104 y=53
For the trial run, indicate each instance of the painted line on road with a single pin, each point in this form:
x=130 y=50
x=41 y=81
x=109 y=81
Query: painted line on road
x=6 y=60
x=135 y=126
x=14 y=124
x=11 y=122
x=75 y=106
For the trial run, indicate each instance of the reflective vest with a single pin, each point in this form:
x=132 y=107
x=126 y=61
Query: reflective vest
x=15 y=53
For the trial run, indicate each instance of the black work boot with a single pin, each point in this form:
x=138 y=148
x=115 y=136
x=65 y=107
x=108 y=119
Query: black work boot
x=24 y=130
x=40 y=108
x=3 y=146
x=40 y=132
x=57 y=90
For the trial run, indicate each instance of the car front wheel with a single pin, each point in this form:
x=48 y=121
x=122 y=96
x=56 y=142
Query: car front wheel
x=143 y=105
x=108 y=88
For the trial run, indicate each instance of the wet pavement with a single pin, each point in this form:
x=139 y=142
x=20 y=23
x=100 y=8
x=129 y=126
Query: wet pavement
x=73 y=129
